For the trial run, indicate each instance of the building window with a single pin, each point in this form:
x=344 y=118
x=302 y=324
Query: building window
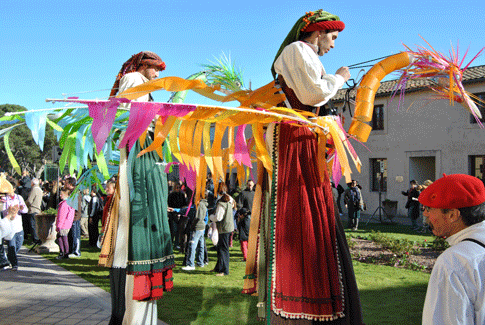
x=378 y=117
x=477 y=166
x=481 y=107
x=378 y=166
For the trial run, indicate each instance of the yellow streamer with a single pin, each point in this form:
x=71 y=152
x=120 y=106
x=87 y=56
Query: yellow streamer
x=261 y=152
x=174 y=140
x=161 y=133
x=207 y=147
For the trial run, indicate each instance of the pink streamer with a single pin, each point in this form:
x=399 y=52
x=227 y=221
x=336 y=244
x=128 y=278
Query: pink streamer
x=178 y=110
x=143 y=113
x=241 y=151
x=336 y=169
x=189 y=175
x=103 y=115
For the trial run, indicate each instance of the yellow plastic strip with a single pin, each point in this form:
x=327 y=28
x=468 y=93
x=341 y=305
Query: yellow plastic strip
x=232 y=146
x=174 y=140
x=196 y=144
x=217 y=154
x=261 y=152
x=207 y=147
x=167 y=83
x=161 y=133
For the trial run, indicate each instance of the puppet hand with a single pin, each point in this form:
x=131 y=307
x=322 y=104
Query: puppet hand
x=344 y=72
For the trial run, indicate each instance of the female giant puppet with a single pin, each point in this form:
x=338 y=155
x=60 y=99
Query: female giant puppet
x=302 y=268
x=137 y=238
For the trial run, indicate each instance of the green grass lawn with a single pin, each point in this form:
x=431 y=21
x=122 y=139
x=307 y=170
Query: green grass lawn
x=388 y=295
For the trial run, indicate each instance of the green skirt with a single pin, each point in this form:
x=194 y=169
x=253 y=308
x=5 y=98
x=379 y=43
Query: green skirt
x=150 y=246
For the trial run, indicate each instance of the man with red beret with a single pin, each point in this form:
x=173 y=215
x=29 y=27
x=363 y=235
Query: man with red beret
x=454 y=208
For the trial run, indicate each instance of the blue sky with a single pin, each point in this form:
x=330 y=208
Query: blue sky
x=49 y=48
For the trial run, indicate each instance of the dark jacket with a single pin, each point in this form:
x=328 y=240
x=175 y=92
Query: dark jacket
x=411 y=193
x=245 y=199
x=243 y=227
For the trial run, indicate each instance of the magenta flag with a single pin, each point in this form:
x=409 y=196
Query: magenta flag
x=103 y=115
x=241 y=151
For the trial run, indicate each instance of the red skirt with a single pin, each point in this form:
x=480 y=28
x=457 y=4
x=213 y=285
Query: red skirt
x=304 y=268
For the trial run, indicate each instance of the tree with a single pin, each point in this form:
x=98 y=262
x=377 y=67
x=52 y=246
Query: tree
x=24 y=149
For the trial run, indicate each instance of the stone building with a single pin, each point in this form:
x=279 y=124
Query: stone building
x=419 y=137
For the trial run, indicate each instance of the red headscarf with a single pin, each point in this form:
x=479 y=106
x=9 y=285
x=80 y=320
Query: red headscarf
x=143 y=58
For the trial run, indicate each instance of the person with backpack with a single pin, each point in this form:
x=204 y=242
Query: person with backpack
x=352 y=200
x=95 y=211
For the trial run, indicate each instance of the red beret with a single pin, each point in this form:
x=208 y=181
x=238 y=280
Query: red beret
x=454 y=192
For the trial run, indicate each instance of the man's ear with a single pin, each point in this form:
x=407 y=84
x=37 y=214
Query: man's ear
x=454 y=215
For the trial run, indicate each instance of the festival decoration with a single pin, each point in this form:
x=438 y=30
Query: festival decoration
x=446 y=73
x=191 y=135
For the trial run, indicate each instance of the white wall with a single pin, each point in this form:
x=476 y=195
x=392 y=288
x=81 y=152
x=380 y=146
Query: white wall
x=419 y=128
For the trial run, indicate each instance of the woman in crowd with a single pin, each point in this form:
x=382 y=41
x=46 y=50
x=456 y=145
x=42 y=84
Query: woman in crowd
x=16 y=239
x=224 y=219
x=65 y=217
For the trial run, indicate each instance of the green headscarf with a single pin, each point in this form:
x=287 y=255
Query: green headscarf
x=303 y=22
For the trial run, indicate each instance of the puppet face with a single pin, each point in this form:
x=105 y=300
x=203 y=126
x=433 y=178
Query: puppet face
x=326 y=41
x=150 y=72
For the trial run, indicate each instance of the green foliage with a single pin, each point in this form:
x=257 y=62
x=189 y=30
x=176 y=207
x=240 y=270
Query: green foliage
x=439 y=244
x=50 y=211
x=398 y=246
x=224 y=73
x=25 y=150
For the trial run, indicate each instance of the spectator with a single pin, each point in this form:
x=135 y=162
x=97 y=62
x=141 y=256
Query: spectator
x=196 y=246
x=16 y=239
x=74 y=201
x=454 y=207
x=25 y=185
x=245 y=198
x=412 y=204
x=340 y=190
x=95 y=211
x=352 y=200
x=176 y=200
x=243 y=221
x=224 y=219
x=110 y=191
x=85 y=213
x=6 y=225
x=64 y=220
x=53 y=198
x=34 y=202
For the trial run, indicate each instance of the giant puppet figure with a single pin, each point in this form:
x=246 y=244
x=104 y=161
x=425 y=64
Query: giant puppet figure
x=136 y=244
x=302 y=269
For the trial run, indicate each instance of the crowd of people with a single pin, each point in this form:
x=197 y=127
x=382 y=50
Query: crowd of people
x=413 y=206
x=221 y=216
x=78 y=215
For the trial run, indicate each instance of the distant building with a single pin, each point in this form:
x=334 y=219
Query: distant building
x=421 y=140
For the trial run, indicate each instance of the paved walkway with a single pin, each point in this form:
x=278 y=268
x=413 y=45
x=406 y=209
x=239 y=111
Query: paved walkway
x=41 y=292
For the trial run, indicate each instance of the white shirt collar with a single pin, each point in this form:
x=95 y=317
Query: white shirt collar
x=466 y=233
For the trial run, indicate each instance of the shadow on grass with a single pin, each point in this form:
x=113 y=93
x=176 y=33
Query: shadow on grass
x=393 y=305
x=207 y=305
